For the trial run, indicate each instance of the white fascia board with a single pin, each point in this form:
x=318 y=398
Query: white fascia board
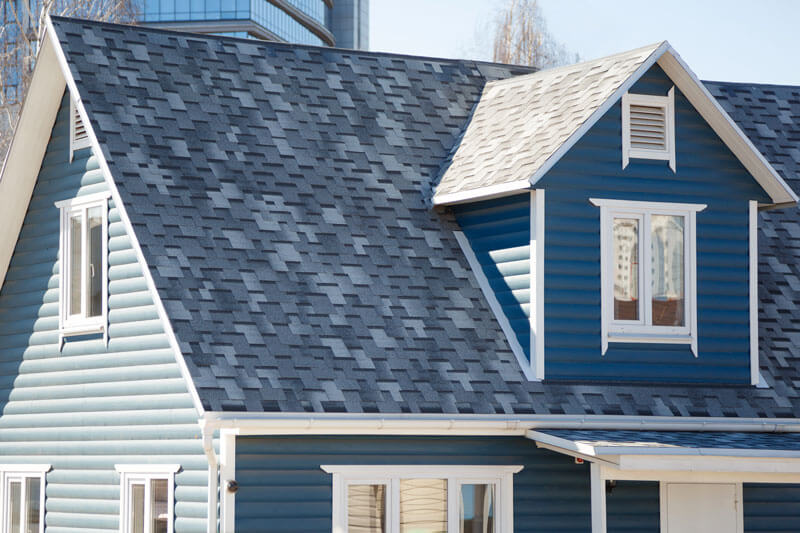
x=722 y=124
x=123 y=213
x=710 y=464
x=674 y=451
x=598 y=113
x=28 y=145
x=482 y=193
x=565 y=444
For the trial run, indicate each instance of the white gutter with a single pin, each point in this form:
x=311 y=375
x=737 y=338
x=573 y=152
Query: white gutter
x=208 y=447
x=474 y=425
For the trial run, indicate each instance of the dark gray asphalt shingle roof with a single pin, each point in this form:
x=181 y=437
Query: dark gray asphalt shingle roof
x=279 y=195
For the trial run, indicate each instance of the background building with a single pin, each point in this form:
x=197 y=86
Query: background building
x=340 y=23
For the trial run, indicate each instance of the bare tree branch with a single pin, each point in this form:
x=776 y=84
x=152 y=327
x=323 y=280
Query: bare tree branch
x=521 y=37
x=23 y=24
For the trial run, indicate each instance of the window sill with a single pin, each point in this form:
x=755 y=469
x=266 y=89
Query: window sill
x=76 y=330
x=654 y=338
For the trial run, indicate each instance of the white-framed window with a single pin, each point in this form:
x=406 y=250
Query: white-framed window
x=78 y=136
x=648 y=272
x=84 y=265
x=406 y=499
x=648 y=127
x=23 y=498
x=147 y=495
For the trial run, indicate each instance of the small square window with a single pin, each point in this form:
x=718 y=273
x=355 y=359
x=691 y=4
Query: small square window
x=648 y=272
x=147 y=498
x=83 y=266
x=23 y=499
x=648 y=127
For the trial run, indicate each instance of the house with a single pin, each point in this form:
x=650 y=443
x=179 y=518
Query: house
x=263 y=287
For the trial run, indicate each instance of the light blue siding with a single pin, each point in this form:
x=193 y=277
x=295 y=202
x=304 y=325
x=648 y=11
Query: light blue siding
x=87 y=407
x=282 y=488
x=499 y=232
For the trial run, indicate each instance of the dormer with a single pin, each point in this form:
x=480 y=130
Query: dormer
x=644 y=271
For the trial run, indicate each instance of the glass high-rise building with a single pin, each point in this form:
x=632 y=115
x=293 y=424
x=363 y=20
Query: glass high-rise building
x=341 y=23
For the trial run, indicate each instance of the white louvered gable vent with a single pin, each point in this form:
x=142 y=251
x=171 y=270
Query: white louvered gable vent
x=78 y=136
x=648 y=127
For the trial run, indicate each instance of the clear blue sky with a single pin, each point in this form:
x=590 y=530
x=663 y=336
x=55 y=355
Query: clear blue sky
x=730 y=40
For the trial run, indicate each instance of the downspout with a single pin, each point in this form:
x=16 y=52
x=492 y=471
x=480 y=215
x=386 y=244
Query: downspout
x=207 y=430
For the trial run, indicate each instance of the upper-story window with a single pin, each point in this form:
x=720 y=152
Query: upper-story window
x=83 y=268
x=648 y=127
x=648 y=272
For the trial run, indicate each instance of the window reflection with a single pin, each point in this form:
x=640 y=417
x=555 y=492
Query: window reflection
x=423 y=506
x=476 y=510
x=667 y=252
x=626 y=268
x=366 y=509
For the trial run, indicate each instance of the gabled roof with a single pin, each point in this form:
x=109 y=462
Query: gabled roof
x=522 y=127
x=278 y=195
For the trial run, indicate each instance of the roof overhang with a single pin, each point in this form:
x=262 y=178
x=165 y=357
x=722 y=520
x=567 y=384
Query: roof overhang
x=31 y=136
x=732 y=136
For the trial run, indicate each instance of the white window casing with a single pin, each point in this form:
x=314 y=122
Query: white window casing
x=78 y=136
x=144 y=474
x=648 y=127
x=22 y=474
x=82 y=323
x=500 y=476
x=642 y=330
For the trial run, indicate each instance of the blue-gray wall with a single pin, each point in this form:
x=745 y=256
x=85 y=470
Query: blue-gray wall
x=771 y=508
x=499 y=232
x=282 y=488
x=88 y=407
x=708 y=173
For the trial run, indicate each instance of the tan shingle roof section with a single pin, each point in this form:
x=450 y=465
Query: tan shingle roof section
x=521 y=122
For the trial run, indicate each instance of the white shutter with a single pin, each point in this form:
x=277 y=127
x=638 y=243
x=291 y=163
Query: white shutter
x=648 y=127
x=80 y=136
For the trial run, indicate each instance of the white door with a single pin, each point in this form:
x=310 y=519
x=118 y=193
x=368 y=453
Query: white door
x=701 y=508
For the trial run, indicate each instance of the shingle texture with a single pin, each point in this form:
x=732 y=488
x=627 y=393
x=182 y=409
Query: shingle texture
x=279 y=196
x=521 y=122
x=684 y=439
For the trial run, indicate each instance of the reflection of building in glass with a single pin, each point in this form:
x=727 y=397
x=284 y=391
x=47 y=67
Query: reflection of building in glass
x=667 y=267
x=342 y=23
x=626 y=268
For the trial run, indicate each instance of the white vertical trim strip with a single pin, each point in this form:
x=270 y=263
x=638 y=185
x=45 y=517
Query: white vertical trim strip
x=691 y=273
x=598 y=495
x=227 y=472
x=626 y=130
x=753 y=262
x=537 y=355
x=494 y=305
x=671 y=127
x=605 y=279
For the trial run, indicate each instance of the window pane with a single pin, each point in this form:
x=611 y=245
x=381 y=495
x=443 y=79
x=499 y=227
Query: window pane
x=94 y=272
x=159 y=506
x=14 y=497
x=626 y=268
x=476 y=511
x=137 y=508
x=668 y=266
x=366 y=509
x=32 y=495
x=75 y=264
x=423 y=506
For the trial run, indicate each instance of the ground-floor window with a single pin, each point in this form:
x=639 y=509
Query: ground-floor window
x=23 y=498
x=422 y=499
x=146 y=498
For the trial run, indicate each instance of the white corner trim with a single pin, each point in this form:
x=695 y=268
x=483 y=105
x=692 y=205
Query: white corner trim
x=227 y=472
x=98 y=152
x=495 y=306
x=537 y=283
x=482 y=193
x=598 y=498
x=599 y=112
x=730 y=133
x=147 y=468
x=755 y=375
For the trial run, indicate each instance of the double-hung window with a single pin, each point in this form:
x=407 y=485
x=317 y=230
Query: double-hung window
x=146 y=498
x=83 y=268
x=422 y=499
x=648 y=272
x=23 y=498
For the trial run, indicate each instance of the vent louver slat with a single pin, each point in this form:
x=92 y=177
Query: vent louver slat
x=648 y=127
x=79 y=129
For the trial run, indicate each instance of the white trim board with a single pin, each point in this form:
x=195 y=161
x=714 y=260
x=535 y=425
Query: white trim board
x=755 y=376
x=537 y=262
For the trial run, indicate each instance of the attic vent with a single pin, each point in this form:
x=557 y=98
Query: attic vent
x=648 y=127
x=78 y=136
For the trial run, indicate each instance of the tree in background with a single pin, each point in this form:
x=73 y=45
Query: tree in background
x=521 y=37
x=23 y=24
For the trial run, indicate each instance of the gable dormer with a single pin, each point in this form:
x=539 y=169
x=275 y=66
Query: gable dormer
x=647 y=270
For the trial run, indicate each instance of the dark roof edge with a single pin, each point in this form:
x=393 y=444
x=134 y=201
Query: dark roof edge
x=752 y=84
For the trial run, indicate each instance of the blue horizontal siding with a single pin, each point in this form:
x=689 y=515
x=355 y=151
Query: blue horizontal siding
x=499 y=232
x=283 y=489
x=708 y=173
x=633 y=507
x=771 y=508
x=88 y=406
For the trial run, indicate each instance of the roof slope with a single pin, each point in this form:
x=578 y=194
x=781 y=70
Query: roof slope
x=278 y=193
x=539 y=110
